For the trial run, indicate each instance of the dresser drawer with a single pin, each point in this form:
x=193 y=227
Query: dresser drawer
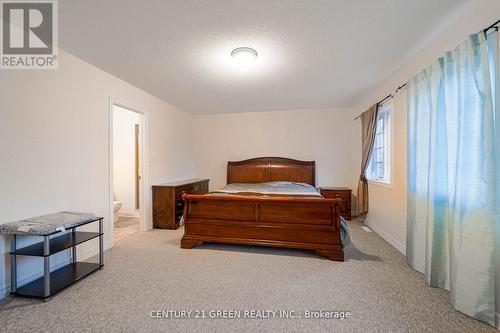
x=179 y=191
x=203 y=188
x=197 y=188
x=337 y=195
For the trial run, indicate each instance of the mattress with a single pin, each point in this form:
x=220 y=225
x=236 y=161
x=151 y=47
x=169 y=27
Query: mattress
x=270 y=189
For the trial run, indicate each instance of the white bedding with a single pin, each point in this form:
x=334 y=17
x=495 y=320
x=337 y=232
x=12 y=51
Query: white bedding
x=287 y=189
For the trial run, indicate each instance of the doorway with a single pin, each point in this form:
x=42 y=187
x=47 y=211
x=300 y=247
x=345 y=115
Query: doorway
x=126 y=160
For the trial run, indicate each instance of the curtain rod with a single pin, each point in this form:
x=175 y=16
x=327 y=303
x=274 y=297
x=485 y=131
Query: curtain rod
x=378 y=103
x=493 y=26
x=386 y=98
x=485 y=31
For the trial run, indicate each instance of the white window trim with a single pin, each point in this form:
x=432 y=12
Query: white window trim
x=378 y=182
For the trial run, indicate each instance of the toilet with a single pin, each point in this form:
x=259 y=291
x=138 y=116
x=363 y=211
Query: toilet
x=116 y=207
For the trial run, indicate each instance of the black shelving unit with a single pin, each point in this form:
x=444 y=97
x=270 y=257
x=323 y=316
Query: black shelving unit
x=53 y=282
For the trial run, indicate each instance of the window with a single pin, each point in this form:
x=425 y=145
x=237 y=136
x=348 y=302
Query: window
x=379 y=168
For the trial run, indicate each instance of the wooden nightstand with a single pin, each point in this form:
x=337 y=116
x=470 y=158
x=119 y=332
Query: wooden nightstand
x=342 y=193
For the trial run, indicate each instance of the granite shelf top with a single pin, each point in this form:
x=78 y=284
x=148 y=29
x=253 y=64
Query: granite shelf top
x=47 y=224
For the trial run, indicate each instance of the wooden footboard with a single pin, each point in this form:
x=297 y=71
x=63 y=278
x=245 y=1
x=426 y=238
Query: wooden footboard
x=306 y=223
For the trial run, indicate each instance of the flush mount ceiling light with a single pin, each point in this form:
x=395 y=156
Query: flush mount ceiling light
x=244 y=56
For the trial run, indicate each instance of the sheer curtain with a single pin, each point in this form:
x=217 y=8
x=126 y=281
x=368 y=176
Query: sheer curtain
x=452 y=175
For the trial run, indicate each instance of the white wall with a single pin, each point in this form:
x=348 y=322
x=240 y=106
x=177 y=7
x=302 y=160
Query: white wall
x=388 y=204
x=54 y=144
x=124 y=122
x=320 y=135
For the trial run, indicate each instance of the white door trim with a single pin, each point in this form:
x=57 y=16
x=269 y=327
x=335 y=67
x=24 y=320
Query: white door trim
x=143 y=170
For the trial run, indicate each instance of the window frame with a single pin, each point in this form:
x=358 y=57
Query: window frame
x=385 y=111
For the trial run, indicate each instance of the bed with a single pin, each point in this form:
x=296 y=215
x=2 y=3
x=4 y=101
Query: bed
x=268 y=202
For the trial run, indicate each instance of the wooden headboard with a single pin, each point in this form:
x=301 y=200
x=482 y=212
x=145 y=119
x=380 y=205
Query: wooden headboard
x=269 y=169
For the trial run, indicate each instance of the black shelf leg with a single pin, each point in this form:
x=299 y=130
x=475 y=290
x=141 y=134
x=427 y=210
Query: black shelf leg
x=101 y=244
x=73 y=249
x=46 y=266
x=13 y=265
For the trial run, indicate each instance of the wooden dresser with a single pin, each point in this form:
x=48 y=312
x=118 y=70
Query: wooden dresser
x=168 y=204
x=342 y=193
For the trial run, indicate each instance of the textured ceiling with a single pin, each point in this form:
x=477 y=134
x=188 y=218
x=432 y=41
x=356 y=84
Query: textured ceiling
x=312 y=54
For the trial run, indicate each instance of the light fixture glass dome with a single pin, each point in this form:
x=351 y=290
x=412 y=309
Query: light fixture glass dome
x=244 y=56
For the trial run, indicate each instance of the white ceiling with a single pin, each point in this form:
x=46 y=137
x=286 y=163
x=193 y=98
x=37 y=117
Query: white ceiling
x=312 y=53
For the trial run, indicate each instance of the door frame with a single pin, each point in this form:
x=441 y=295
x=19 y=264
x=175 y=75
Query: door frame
x=143 y=157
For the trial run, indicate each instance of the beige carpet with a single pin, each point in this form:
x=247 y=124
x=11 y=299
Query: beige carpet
x=149 y=271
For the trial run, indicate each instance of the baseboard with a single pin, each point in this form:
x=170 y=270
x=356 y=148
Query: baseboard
x=129 y=214
x=388 y=238
x=82 y=256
